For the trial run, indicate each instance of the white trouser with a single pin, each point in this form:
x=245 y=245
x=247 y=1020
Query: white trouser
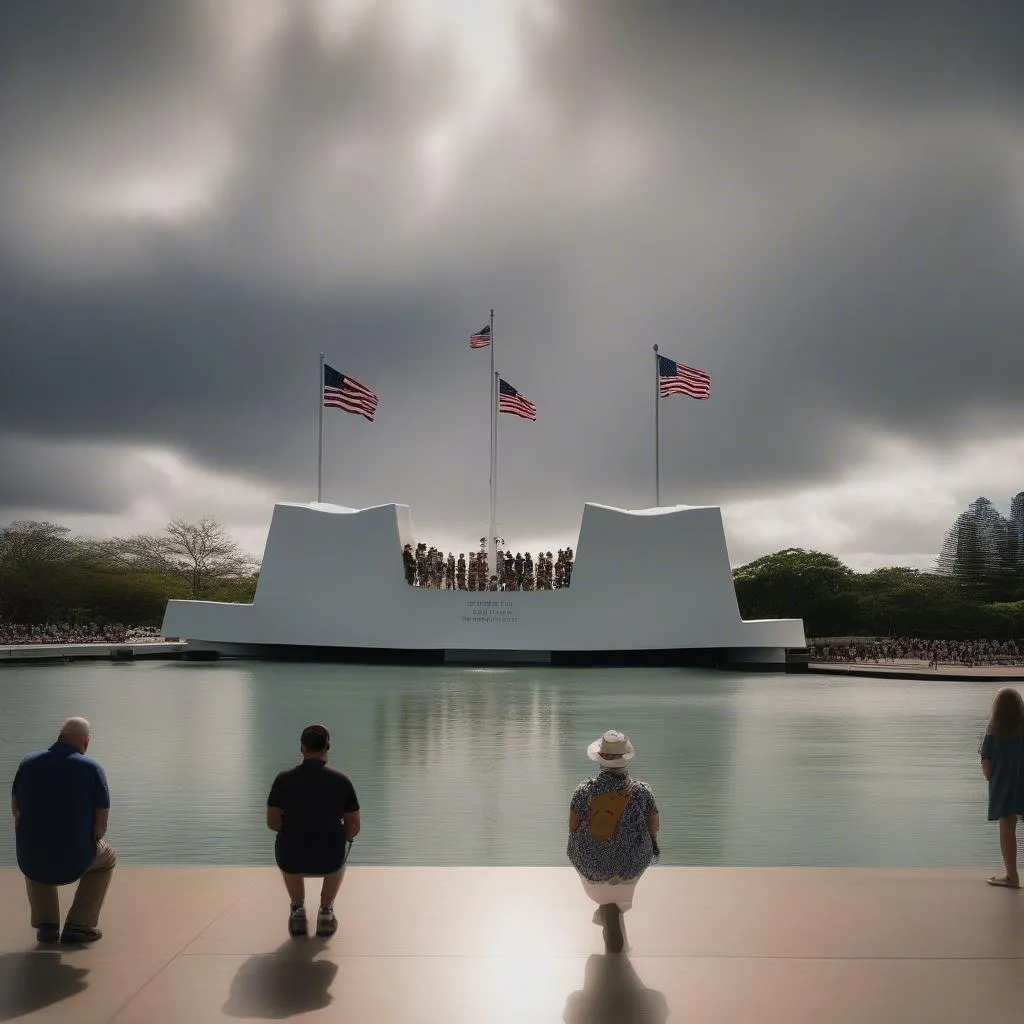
x=615 y=890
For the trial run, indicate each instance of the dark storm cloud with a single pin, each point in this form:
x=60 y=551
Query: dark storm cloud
x=915 y=52
x=824 y=209
x=886 y=294
x=69 y=478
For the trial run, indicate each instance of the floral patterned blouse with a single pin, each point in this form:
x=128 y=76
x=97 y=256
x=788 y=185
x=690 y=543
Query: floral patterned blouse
x=630 y=851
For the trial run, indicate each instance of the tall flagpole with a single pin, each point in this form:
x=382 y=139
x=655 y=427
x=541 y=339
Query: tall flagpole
x=493 y=544
x=657 y=438
x=320 y=431
x=492 y=500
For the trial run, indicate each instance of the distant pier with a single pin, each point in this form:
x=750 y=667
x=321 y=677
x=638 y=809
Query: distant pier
x=20 y=653
x=911 y=669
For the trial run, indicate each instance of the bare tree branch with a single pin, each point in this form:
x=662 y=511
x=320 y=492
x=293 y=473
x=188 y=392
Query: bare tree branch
x=200 y=554
x=204 y=553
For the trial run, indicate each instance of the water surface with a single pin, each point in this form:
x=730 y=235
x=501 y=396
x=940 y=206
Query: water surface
x=475 y=766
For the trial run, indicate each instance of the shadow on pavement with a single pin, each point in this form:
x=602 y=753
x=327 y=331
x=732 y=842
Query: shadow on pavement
x=612 y=992
x=32 y=981
x=284 y=983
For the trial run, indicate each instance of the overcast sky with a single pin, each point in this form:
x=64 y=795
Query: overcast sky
x=822 y=204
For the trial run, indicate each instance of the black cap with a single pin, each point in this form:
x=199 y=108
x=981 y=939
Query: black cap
x=315 y=738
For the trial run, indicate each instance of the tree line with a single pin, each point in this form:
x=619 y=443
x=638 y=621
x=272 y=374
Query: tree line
x=958 y=602
x=48 y=575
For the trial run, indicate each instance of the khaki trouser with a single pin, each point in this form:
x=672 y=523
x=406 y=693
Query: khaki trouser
x=85 y=908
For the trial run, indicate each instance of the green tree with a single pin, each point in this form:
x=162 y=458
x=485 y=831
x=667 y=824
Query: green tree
x=34 y=557
x=795 y=583
x=896 y=601
x=237 y=591
x=48 y=575
x=1005 y=620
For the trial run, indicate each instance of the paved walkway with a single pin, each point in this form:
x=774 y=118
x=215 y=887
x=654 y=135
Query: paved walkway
x=495 y=945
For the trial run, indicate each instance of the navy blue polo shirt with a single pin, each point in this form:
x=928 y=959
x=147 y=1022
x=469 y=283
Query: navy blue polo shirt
x=58 y=792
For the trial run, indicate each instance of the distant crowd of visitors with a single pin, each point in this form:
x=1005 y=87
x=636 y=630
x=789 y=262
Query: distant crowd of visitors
x=429 y=567
x=82 y=633
x=934 y=652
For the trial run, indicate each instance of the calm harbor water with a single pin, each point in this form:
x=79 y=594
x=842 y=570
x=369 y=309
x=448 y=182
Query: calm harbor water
x=475 y=766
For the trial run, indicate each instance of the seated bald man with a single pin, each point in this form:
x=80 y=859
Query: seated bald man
x=314 y=811
x=61 y=805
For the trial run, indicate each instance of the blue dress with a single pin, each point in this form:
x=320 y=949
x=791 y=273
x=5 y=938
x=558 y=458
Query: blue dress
x=1006 y=786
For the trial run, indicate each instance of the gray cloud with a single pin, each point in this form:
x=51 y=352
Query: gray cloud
x=71 y=478
x=823 y=210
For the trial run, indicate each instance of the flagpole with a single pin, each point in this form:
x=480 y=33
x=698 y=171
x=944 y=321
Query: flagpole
x=493 y=525
x=492 y=499
x=320 y=431
x=657 y=437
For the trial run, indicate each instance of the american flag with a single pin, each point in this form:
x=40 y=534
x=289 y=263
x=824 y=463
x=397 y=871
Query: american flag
x=482 y=338
x=676 y=379
x=341 y=392
x=509 y=400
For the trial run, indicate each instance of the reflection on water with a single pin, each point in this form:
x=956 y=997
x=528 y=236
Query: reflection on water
x=475 y=766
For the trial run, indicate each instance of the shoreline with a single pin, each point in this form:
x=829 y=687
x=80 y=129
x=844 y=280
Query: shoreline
x=171 y=650
x=15 y=654
x=911 y=669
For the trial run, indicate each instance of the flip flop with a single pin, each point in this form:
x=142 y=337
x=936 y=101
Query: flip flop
x=1003 y=882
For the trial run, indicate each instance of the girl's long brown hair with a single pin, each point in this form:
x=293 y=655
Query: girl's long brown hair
x=1007 y=719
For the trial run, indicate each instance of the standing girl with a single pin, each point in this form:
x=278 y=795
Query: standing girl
x=1002 y=764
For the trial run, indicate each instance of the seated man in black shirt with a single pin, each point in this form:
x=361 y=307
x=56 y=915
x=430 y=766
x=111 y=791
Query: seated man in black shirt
x=315 y=813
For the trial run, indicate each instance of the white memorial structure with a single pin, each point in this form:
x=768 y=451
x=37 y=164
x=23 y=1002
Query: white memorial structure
x=651 y=586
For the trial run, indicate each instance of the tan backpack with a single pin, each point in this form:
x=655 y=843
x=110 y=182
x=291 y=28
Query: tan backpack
x=605 y=811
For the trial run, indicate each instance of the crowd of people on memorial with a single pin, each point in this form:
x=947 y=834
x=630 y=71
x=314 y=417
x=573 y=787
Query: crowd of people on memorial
x=12 y=633
x=934 y=652
x=429 y=567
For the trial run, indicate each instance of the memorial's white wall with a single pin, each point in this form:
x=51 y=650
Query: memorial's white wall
x=642 y=580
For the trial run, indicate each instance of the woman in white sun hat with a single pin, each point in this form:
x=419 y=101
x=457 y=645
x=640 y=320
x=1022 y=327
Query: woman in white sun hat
x=613 y=831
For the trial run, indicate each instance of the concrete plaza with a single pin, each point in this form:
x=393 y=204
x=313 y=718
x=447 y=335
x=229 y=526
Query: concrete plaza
x=490 y=945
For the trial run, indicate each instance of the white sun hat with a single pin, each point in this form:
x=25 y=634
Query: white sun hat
x=612 y=750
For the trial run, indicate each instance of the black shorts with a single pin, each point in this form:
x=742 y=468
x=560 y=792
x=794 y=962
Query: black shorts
x=310 y=859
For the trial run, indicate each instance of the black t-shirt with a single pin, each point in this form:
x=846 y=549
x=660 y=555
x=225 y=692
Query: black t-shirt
x=314 y=799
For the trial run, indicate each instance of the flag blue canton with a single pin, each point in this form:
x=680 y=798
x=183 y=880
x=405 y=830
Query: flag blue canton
x=511 y=401
x=676 y=379
x=346 y=393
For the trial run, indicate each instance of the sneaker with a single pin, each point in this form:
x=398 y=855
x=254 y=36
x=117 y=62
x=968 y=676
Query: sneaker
x=297 y=924
x=326 y=922
x=75 y=934
x=48 y=933
x=614 y=940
